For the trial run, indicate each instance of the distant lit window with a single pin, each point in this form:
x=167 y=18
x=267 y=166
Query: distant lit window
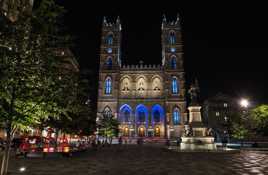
x=176 y=116
x=225 y=105
x=217 y=113
x=108 y=86
x=109 y=50
x=172 y=49
x=172 y=38
x=173 y=63
x=109 y=39
x=175 y=86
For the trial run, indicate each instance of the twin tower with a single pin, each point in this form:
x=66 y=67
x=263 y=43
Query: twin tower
x=147 y=100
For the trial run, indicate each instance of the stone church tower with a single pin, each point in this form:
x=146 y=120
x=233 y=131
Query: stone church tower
x=147 y=100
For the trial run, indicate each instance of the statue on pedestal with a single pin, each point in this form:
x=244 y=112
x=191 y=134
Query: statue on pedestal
x=194 y=91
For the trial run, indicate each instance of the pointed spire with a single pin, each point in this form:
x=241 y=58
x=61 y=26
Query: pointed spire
x=118 y=20
x=104 y=20
x=178 y=17
x=196 y=84
x=164 y=18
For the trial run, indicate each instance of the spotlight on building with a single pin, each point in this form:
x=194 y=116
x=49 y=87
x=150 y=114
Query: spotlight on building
x=22 y=169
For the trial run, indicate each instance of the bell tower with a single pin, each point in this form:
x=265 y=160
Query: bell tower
x=110 y=53
x=172 y=63
x=110 y=63
x=172 y=44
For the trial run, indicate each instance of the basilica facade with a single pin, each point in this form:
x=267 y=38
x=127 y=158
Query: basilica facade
x=147 y=100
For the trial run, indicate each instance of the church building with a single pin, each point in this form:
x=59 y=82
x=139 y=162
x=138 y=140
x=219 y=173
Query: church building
x=147 y=100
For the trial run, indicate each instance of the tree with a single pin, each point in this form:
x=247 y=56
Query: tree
x=80 y=119
x=108 y=127
x=240 y=132
x=33 y=85
x=260 y=117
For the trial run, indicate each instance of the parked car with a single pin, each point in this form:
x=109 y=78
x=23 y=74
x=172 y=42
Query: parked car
x=32 y=144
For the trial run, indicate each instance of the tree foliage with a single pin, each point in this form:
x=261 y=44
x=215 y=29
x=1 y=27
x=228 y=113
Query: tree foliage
x=240 y=132
x=108 y=126
x=260 y=117
x=34 y=83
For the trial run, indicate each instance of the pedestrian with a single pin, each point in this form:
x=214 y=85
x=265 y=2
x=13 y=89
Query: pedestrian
x=120 y=140
x=167 y=143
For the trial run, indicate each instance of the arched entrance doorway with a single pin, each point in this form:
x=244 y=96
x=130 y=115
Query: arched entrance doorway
x=157 y=131
x=141 y=132
x=126 y=132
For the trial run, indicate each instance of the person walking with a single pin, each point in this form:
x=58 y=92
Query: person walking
x=120 y=140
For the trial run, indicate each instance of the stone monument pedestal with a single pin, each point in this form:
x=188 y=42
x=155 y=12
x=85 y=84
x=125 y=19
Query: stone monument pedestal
x=196 y=136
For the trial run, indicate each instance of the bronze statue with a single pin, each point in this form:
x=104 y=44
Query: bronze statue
x=194 y=91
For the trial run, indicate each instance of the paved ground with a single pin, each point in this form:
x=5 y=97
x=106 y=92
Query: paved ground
x=146 y=160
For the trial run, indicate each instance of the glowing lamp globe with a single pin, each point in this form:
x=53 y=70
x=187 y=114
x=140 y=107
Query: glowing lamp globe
x=244 y=103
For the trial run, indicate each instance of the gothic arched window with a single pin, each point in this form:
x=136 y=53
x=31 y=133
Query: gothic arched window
x=125 y=85
x=108 y=85
x=176 y=116
x=109 y=39
x=141 y=113
x=156 y=116
x=141 y=84
x=157 y=113
x=125 y=113
x=107 y=111
x=172 y=37
x=157 y=84
x=175 y=86
x=173 y=62
x=141 y=116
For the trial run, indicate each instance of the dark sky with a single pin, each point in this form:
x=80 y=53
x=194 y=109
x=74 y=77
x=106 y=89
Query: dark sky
x=226 y=44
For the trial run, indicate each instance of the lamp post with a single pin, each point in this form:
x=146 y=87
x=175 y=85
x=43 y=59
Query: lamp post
x=244 y=103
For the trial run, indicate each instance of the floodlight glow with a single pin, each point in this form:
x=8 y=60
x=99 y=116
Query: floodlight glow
x=22 y=169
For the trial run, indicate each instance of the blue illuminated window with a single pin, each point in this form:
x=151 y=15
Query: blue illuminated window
x=174 y=86
x=141 y=116
x=126 y=116
x=173 y=63
x=141 y=113
x=109 y=39
x=108 y=86
x=157 y=113
x=109 y=50
x=172 y=49
x=156 y=116
x=172 y=38
x=125 y=113
x=176 y=117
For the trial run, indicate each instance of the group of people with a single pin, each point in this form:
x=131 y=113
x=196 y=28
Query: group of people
x=178 y=142
x=138 y=141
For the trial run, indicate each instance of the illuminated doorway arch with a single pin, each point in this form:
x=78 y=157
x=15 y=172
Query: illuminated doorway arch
x=141 y=131
x=126 y=132
x=157 y=131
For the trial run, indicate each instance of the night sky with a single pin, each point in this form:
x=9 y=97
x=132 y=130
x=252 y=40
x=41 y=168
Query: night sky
x=225 y=44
